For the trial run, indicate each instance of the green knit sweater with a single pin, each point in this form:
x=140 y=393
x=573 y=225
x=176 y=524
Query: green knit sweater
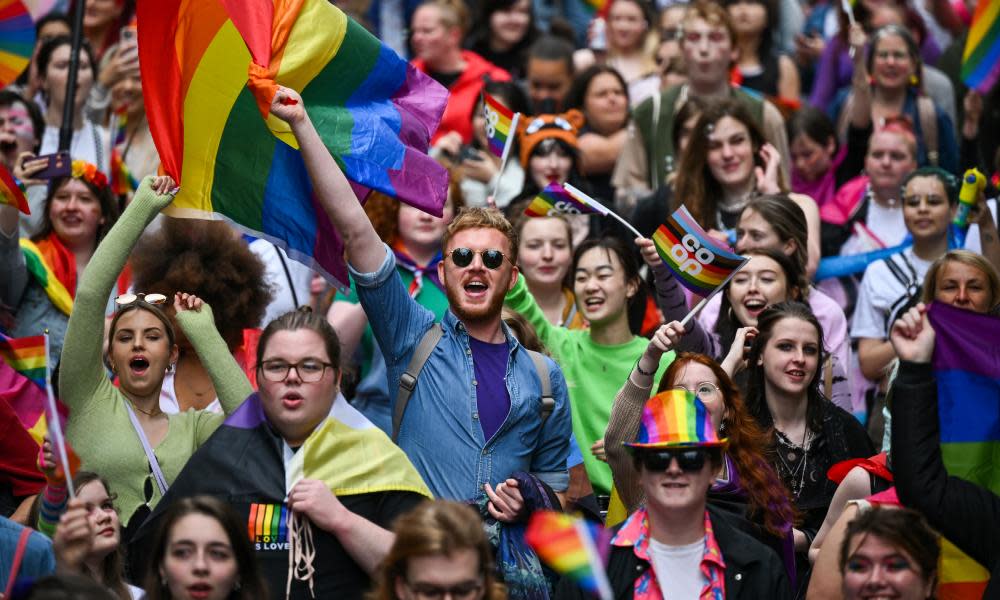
x=99 y=428
x=594 y=374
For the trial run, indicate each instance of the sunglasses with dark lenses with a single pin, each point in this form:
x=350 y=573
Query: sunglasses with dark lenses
x=690 y=460
x=492 y=259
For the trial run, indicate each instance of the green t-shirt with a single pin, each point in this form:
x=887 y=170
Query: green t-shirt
x=593 y=373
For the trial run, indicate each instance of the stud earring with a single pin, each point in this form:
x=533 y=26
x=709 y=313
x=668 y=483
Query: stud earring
x=914 y=80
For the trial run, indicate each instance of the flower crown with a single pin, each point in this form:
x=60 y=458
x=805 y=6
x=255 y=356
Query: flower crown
x=81 y=169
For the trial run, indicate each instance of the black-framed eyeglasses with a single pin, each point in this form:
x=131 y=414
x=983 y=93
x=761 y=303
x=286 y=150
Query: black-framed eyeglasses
x=690 y=460
x=309 y=370
x=126 y=299
x=460 y=591
x=492 y=258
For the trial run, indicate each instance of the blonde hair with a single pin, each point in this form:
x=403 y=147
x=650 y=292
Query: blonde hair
x=971 y=259
x=482 y=218
x=436 y=528
x=453 y=13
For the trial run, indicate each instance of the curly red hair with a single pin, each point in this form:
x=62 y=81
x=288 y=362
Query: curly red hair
x=748 y=447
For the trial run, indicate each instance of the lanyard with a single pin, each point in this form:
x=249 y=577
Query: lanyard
x=154 y=465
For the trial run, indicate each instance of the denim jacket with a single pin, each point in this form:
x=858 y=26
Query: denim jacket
x=440 y=432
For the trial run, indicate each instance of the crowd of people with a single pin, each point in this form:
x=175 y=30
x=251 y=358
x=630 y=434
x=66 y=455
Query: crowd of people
x=248 y=430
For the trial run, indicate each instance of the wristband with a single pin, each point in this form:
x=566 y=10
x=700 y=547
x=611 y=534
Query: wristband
x=641 y=372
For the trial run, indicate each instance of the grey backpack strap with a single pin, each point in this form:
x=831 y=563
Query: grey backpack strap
x=548 y=401
x=408 y=380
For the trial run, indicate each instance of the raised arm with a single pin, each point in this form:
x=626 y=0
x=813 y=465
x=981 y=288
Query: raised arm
x=196 y=321
x=626 y=413
x=365 y=250
x=81 y=370
x=13 y=274
x=860 y=103
x=672 y=302
x=920 y=476
x=519 y=299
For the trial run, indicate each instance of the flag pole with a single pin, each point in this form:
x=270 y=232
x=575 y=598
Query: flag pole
x=605 y=211
x=506 y=152
x=54 y=426
x=704 y=301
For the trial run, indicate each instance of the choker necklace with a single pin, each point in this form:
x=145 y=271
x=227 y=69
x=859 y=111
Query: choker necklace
x=148 y=413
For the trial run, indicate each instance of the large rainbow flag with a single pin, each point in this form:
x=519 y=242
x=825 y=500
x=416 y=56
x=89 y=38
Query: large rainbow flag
x=968 y=378
x=981 y=57
x=211 y=68
x=699 y=262
x=569 y=546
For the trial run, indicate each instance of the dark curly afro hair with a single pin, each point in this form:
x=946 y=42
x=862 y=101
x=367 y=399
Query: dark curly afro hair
x=208 y=259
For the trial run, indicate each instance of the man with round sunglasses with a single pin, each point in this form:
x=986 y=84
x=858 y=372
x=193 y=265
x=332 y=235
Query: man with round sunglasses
x=474 y=414
x=676 y=546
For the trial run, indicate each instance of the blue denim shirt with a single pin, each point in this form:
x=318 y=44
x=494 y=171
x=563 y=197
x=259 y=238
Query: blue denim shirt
x=440 y=432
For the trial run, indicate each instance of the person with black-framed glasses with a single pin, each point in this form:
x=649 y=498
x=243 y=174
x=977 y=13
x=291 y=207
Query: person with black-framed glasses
x=676 y=545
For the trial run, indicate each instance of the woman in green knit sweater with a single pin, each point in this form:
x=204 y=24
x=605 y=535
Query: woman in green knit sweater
x=598 y=360
x=112 y=427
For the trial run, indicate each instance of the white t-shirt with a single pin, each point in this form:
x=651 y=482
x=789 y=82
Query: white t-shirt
x=298 y=277
x=678 y=569
x=882 y=293
x=168 y=397
x=885 y=223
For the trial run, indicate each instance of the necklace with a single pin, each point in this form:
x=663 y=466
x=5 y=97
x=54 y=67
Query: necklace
x=789 y=472
x=149 y=413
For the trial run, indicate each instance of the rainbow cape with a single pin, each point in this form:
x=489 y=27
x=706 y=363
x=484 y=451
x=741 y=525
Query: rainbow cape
x=211 y=69
x=10 y=192
x=699 y=262
x=245 y=465
x=569 y=546
x=35 y=262
x=557 y=200
x=981 y=57
x=501 y=124
x=968 y=379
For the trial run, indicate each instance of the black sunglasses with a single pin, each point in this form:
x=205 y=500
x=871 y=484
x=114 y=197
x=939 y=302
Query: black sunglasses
x=492 y=259
x=690 y=460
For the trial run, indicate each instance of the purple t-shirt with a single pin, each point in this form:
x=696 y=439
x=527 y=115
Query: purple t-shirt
x=492 y=398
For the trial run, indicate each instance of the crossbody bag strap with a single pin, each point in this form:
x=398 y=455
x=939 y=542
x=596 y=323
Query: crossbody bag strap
x=154 y=465
x=542 y=368
x=22 y=544
x=408 y=380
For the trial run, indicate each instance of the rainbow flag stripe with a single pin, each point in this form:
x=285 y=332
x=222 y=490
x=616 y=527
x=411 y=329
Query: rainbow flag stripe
x=212 y=68
x=981 y=57
x=699 y=262
x=566 y=545
x=122 y=181
x=557 y=200
x=25 y=355
x=677 y=418
x=42 y=272
x=10 y=192
x=498 y=124
x=598 y=7
x=968 y=380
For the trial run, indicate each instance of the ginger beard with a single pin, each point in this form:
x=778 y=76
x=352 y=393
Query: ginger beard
x=475 y=293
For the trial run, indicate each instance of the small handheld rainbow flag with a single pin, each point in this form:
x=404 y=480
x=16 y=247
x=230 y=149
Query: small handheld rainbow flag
x=501 y=124
x=981 y=58
x=10 y=192
x=567 y=545
x=29 y=357
x=699 y=262
x=26 y=356
x=557 y=200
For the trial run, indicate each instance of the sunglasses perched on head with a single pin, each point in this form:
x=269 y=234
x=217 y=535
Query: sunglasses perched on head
x=126 y=299
x=492 y=258
x=690 y=460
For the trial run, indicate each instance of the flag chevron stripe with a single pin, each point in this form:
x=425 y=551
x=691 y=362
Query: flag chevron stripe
x=721 y=265
x=714 y=268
